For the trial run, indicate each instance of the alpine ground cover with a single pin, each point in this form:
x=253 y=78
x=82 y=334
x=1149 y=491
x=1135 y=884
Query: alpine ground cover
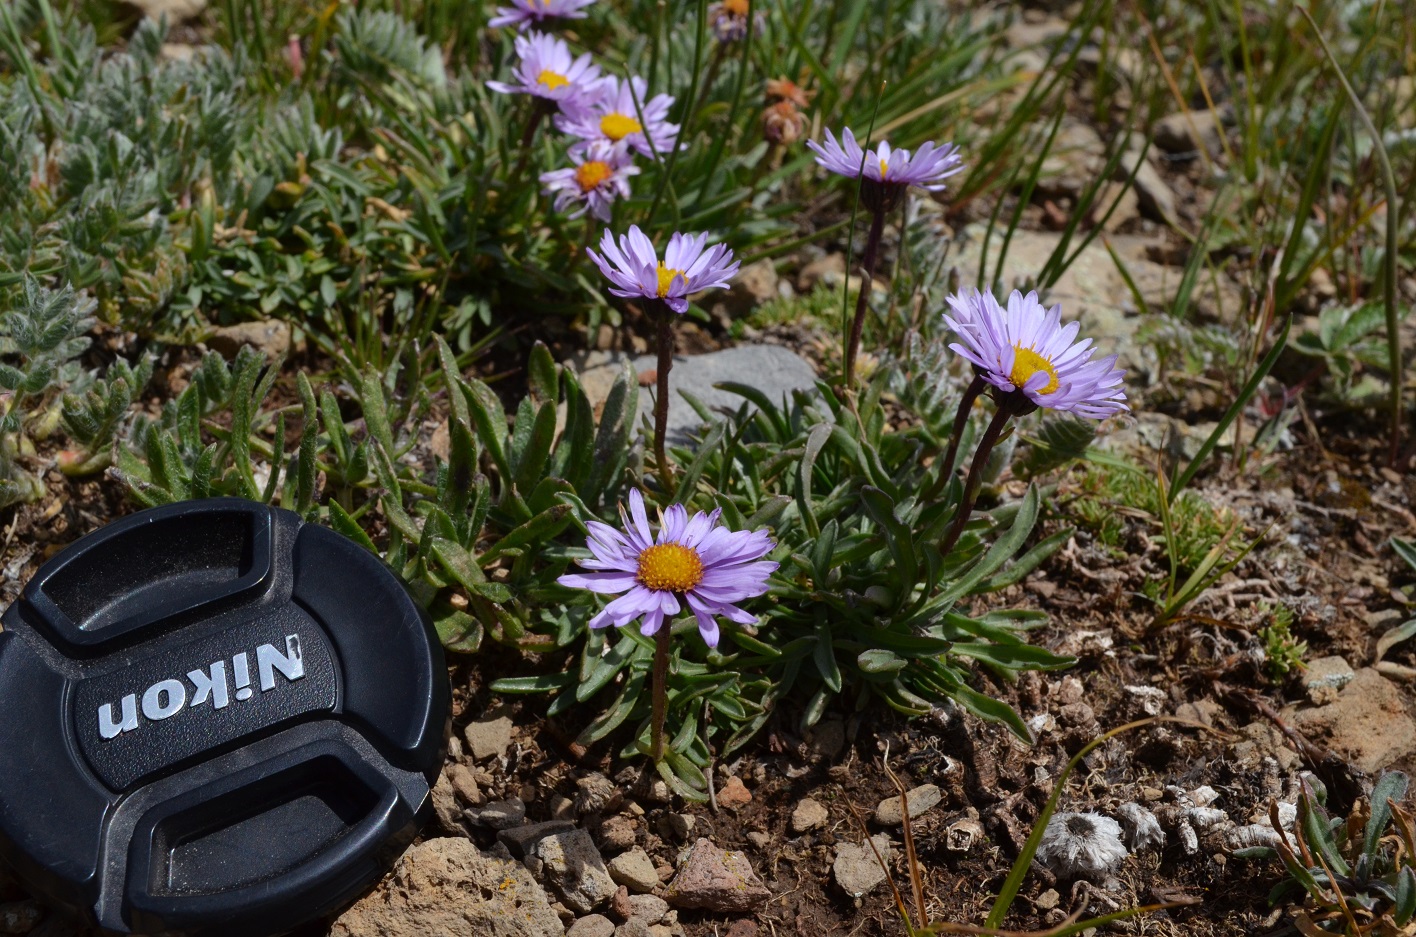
x=443 y=210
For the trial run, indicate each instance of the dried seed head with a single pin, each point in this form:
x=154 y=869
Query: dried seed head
x=1082 y=845
x=1142 y=827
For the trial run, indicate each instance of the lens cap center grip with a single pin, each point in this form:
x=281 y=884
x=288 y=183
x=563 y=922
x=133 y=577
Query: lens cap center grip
x=215 y=719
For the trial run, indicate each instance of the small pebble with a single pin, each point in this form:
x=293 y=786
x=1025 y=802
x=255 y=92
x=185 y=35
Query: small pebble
x=465 y=785
x=592 y=925
x=734 y=793
x=808 y=815
x=502 y=814
x=635 y=870
x=921 y=800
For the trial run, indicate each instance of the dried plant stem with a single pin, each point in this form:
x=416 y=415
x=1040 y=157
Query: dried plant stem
x=971 y=485
x=661 y=691
x=661 y=404
x=867 y=264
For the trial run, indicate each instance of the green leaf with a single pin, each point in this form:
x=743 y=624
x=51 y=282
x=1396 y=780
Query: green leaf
x=544 y=683
x=881 y=661
x=824 y=655
x=1389 y=789
x=543 y=375
x=457 y=630
x=346 y=525
x=1003 y=549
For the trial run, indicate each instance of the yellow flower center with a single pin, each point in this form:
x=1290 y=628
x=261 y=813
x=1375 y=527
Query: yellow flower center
x=619 y=126
x=670 y=567
x=883 y=167
x=1026 y=363
x=735 y=7
x=666 y=278
x=591 y=173
x=552 y=80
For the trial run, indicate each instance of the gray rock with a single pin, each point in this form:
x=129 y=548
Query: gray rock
x=271 y=337
x=1368 y=723
x=827 y=270
x=594 y=925
x=678 y=826
x=464 y=784
x=1154 y=194
x=501 y=814
x=447 y=887
x=520 y=840
x=1183 y=133
x=716 y=880
x=921 y=800
x=647 y=908
x=1077 y=157
x=176 y=11
x=1325 y=677
x=856 y=869
x=445 y=806
x=771 y=369
x=634 y=870
x=635 y=927
x=808 y=815
x=754 y=285
x=490 y=736
x=618 y=832
x=575 y=869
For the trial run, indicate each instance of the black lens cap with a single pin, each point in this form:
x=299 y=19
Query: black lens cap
x=215 y=719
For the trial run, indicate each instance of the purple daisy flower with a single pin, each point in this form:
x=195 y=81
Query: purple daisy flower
x=547 y=70
x=611 y=111
x=595 y=181
x=524 y=13
x=1026 y=349
x=728 y=19
x=696 y=560
x=634 y=269
x=887 y=173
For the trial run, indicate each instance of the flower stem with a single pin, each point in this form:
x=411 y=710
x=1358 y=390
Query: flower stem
x=980 y=459
x=661 y=404
x=661 y=690
x=540 y=107
x=961 y=419
x=867 y=263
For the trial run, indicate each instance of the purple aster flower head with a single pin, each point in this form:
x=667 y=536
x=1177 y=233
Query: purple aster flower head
x=618 y=111
x=598 y=177
x=527 y=13
x=728 y=19
x=886 y=173
x=545 y=69
x=689 y=265
x=1031 y=358
x=694 y=561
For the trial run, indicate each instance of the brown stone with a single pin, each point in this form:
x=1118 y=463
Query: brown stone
x=716 y=880
x=734 y=793
x=1368 y=723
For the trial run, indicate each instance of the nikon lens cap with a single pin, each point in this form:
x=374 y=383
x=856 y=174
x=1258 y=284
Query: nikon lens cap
x=215 y=719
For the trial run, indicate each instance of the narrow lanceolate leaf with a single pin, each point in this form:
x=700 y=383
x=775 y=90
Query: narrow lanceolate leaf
x=309 y=439
x=1001 y=551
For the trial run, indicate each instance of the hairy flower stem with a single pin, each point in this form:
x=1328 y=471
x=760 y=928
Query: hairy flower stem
x=961 y=419
x=971 y=485
x=540 y=109
x=867 y=263
x=661 y=404
x=661 y=691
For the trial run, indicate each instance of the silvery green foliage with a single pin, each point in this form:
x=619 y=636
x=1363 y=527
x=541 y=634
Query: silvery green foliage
x=41 y=340
x=94 y=419
x=108 y=148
